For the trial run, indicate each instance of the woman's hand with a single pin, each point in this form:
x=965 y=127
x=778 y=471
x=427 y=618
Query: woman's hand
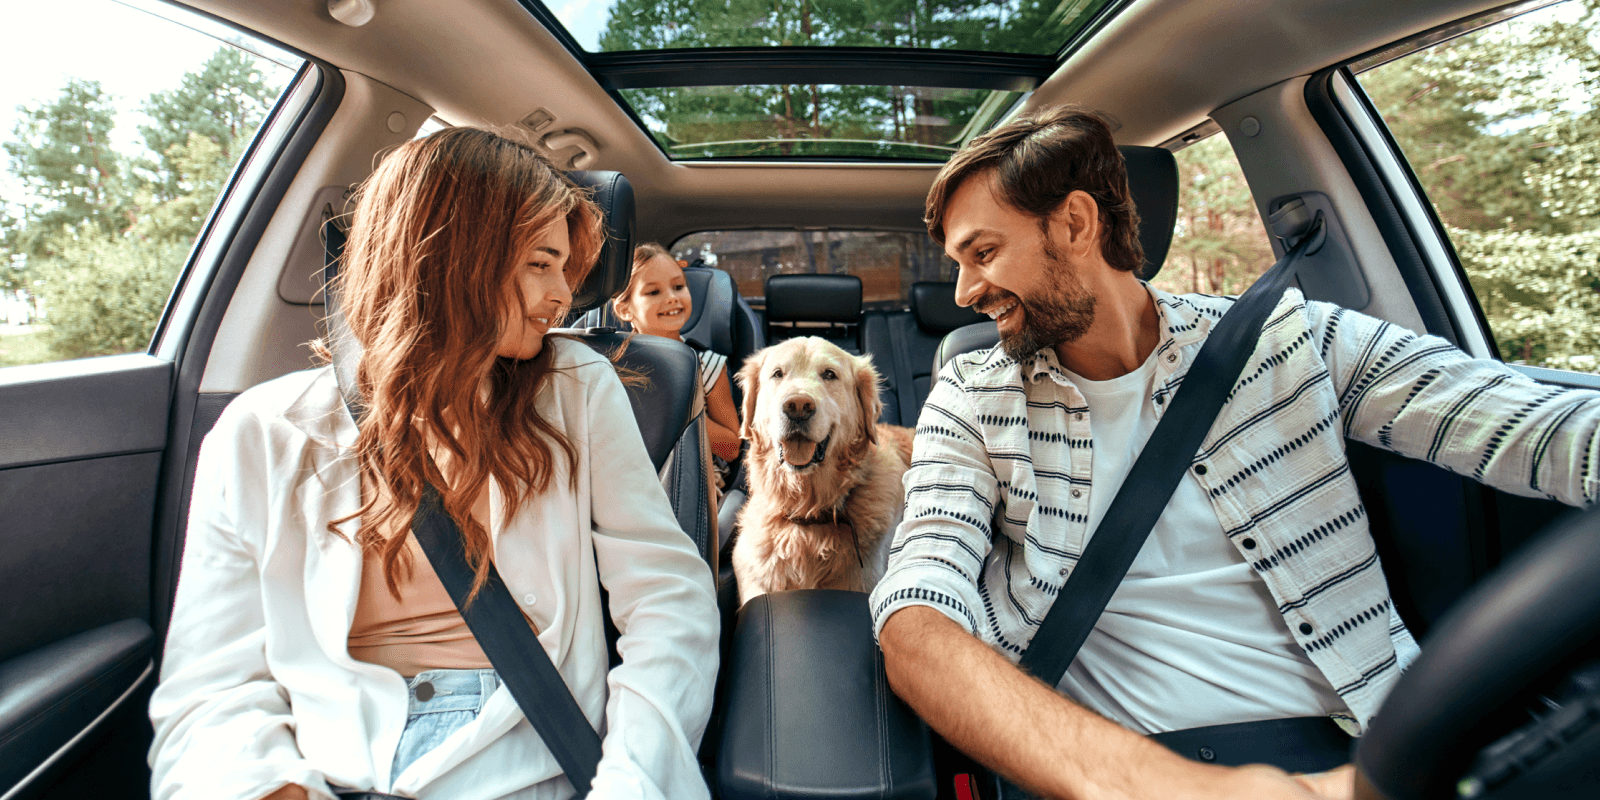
x=288 y=791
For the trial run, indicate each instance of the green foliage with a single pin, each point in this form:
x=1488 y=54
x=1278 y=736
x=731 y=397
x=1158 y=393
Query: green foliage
x=223 y=101
x=105 y=292
x=1219 y=246
x=101 y=241
x=1501 y=127
x=1541 y=293
x=904 y=122
x=62 y=154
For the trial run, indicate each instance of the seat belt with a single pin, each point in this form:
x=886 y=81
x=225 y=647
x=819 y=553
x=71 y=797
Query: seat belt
x=905 y=388
x=493 y=616
x=1144 y=494
x=511 y=645
x=1169 y=452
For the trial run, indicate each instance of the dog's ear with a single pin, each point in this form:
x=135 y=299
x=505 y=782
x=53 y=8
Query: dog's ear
x=749 y=378
x=867 y=394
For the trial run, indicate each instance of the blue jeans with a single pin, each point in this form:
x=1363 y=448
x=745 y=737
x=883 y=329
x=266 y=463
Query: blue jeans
x=440 y=702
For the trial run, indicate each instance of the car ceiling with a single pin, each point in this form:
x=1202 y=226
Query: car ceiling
x=1158 y=67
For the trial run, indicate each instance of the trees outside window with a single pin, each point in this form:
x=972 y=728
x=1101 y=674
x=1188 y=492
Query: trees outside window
x=105 y=195
x=1501 y=128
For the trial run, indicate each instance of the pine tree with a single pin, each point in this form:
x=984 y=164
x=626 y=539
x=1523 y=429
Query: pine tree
x=62 y=154
x=224 y=102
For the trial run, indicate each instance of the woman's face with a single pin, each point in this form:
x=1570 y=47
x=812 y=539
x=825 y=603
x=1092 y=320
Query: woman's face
x=658 y=303
x=539 y=294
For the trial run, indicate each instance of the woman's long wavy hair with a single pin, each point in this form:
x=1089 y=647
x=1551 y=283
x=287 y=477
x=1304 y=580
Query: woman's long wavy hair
x=438 y=233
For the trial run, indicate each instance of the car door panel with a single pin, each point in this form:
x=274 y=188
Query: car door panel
x=54 y=696
x=78 y=481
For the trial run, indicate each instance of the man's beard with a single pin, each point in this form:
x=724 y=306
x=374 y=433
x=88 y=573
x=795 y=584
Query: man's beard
x=1047 y=321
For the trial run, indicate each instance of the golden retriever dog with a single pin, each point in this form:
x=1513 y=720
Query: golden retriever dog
x=825 y=491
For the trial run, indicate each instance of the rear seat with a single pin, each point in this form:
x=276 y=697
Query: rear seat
x=902 y=345
x=828 y=306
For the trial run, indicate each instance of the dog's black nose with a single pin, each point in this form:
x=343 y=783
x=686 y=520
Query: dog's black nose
x=799 y=407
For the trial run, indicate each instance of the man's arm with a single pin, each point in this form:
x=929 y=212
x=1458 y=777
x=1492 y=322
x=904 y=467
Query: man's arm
x=1421 y=397
x=991 y=710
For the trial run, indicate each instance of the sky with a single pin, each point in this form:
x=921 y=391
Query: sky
x=584 y=19
x=131 y=51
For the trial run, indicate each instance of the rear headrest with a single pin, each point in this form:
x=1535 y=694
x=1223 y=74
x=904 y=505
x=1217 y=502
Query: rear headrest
x=614 y=195
x=933 y=304
x=1153 y=181
x=814 y=298
x=710 y=324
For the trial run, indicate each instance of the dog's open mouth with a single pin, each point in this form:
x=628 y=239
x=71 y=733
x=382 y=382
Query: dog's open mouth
x=800 y=453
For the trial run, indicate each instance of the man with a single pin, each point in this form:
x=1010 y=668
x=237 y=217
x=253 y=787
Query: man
x=1258 y=594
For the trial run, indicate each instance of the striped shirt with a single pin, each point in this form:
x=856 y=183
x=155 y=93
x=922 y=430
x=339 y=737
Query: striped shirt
x=997 y=493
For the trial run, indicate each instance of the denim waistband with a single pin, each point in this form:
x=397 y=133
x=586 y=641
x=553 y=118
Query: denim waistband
x=438 y=690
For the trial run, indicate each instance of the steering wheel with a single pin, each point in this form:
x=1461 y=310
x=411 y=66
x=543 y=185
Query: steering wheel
x=1528 y=617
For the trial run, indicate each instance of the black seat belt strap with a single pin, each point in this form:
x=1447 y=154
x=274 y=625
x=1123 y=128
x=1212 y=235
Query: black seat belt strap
x=509 y=642
x=493 y=616
x=906 y=387
x=1169 y=452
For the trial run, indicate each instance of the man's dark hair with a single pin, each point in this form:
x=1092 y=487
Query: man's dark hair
x=1038 y=159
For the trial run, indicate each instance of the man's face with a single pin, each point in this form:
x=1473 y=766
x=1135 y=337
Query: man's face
x=1012 y=270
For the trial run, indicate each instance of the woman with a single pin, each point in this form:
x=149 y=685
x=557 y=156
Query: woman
x=312 y=648
x=656 y=301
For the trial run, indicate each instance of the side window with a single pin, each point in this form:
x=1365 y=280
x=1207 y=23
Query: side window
x=114 y=152
x=1500 y=125
x=1219 y=245
x=887 y=262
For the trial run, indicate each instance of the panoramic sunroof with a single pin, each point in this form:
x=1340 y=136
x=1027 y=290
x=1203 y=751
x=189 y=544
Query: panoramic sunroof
x=902 y=123
x=902 y=80
x=1036 y=27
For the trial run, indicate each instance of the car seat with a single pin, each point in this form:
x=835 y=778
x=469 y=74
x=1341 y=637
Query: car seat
x=828 y=306
x=721 y=321
x=902 y=345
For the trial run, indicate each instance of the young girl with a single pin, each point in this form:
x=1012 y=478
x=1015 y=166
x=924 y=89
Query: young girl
x=313 y=650
x=656 y=301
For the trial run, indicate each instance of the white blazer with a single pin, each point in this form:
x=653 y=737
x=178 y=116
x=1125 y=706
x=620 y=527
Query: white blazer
x=258 y=688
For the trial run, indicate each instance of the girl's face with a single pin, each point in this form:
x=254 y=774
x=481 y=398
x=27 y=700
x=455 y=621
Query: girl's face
x=539 y=294
x=658 y=303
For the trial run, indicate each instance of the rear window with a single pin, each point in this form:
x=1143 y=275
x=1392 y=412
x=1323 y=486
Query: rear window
x=887 y=262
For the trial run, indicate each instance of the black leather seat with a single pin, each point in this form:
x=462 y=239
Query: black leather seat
x=902 y=345
x=828 y=306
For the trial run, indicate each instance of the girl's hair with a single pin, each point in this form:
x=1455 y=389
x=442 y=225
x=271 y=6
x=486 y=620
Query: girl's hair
x=439 y=231
x=641 y=256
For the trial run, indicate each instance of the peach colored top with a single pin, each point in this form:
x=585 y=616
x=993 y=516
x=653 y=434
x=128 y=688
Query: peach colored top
x=421 y=631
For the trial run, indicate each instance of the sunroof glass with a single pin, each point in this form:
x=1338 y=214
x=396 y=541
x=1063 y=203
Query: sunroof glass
x=1036 y=27
x=916 y=123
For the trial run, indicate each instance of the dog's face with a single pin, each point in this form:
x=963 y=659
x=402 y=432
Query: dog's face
x=804 y=396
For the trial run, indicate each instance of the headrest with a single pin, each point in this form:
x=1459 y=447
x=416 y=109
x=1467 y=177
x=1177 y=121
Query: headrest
x=614 y=195
x=1153 y=181
x=710 y=324
x=933 y=304
x=814 y=298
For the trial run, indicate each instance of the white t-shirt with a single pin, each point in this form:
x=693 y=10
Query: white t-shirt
x=1192 y=637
